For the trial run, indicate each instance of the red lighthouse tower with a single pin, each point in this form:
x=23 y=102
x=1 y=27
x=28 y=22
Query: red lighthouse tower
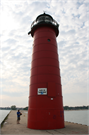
x=45 y=100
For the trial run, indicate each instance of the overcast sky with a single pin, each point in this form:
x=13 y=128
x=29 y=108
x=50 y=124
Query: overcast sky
x=16 y=17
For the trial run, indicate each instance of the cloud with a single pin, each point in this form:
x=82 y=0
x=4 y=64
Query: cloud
x=16 y=45
x=11 y=41
x=8 y=101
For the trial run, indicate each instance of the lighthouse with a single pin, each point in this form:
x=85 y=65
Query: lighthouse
x=45 y=109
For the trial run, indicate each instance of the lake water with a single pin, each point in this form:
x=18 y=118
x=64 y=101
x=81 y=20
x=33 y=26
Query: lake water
x=76 y=116
x=3 y=114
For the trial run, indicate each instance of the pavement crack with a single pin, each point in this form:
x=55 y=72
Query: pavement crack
x=49 y=132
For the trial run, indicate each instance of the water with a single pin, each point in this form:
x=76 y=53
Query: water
x=3 y=114
x=77 y=116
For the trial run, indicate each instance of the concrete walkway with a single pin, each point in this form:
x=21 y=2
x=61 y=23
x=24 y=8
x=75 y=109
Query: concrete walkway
x=10 y=126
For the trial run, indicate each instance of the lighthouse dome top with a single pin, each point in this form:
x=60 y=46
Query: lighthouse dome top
x=45 y=17
x=44 y=20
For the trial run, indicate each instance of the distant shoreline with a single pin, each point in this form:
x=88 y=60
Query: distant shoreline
x=76 y=110
x=64 y=109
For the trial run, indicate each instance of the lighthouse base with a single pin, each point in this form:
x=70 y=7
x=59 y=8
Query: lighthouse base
x=45 y=119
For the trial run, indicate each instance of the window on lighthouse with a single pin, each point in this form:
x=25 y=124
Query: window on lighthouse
x=49 y=40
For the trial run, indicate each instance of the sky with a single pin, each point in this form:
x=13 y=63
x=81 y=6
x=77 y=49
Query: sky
x=16 y=17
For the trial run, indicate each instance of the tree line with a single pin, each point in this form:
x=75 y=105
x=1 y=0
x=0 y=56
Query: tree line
x=76 y=108
x=13 y=107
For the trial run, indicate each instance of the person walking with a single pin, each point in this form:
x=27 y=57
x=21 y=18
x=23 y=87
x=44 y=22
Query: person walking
x=18 y=116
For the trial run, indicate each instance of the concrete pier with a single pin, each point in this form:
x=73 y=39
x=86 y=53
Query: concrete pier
x=10 y=126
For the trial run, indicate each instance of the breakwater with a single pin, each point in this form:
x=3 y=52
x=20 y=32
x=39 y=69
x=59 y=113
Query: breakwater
x=3 y=115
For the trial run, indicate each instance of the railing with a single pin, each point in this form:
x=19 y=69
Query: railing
x=46 y=21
